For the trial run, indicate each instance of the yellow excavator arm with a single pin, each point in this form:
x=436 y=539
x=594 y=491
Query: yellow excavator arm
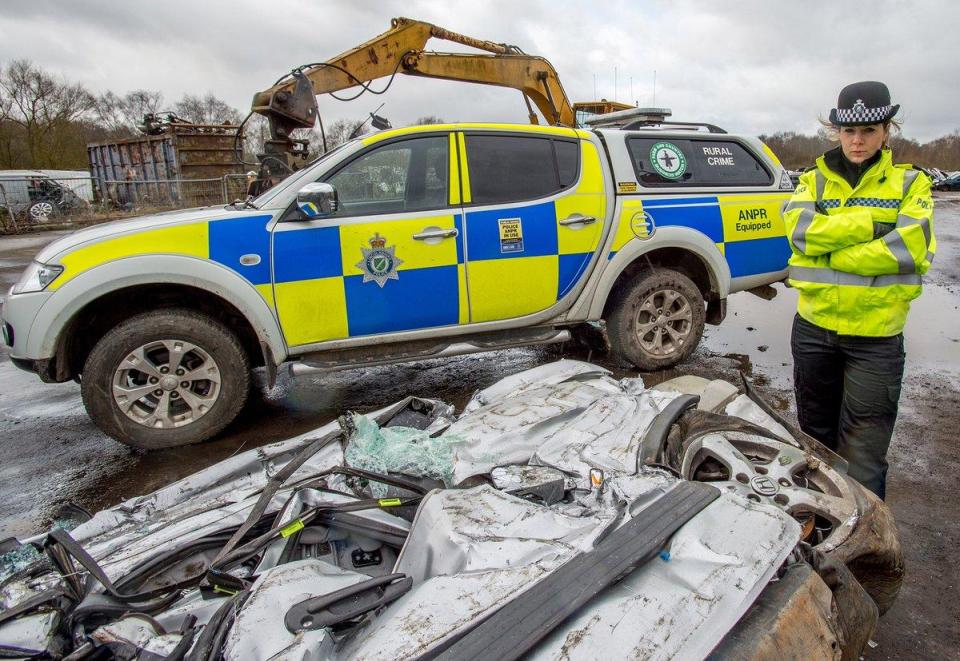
x=291 y=103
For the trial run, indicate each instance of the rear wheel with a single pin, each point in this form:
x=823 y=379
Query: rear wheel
x=657 y=321
x=165 y=378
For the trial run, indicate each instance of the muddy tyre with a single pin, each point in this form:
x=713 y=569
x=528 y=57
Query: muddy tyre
x=657 y=320
x=873 y=552
x=165 y=378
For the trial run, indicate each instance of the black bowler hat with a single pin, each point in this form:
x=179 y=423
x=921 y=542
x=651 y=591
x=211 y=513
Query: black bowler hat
x=863 y=103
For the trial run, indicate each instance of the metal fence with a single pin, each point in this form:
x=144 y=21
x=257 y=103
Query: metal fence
x=38 y=202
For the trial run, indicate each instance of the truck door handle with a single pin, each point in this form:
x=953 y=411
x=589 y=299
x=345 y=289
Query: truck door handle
x=577 y=219
x=435 y=233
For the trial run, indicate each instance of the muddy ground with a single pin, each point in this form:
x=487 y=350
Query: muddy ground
x=50 y=452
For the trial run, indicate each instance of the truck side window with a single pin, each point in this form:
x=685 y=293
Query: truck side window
x=410 y=175
x=514 y=168
x=694 y=162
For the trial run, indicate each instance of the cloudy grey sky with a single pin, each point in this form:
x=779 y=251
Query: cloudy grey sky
x=753 y=66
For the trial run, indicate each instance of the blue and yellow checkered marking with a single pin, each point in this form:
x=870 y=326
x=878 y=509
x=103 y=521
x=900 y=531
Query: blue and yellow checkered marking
x=747 y=229
x=307 y=254
x=421 y=298
x=233 y=237
x=320 y=290
x=505 y=284
x=539 y=224
x=699 y=213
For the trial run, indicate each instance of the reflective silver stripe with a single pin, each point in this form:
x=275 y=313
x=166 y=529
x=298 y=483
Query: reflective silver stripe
x=800 y=205
x=929 y=257
x=831 y=277
x=799 y=235
x=903 y=220
x=905 y=262
x=820 y=185
x=908 y=178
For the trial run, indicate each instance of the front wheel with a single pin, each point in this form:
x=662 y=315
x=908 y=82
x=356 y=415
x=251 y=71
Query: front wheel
x=165 y=378
x=657 y=320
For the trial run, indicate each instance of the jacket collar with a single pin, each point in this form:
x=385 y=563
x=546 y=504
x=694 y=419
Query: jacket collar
x=876 y=170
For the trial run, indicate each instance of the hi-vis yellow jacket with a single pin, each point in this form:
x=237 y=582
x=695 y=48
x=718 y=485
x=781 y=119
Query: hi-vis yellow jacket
x=849 y=281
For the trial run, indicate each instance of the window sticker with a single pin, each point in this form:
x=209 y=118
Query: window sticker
x=668 y=160
x=511 y=235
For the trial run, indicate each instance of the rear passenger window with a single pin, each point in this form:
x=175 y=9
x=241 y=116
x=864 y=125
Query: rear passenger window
x=669 y=162
x=513 y=168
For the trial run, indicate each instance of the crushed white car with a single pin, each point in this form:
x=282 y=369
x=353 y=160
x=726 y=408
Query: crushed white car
x=562 y=514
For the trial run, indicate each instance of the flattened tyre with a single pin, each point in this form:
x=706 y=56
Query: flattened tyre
x=657 y=321
x=165 y=378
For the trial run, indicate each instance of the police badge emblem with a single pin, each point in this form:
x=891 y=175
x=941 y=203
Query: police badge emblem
x=379 y=263
x=859 y=108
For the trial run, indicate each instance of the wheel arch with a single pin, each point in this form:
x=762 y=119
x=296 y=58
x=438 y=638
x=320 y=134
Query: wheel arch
x=689 y=252
x=77 y=314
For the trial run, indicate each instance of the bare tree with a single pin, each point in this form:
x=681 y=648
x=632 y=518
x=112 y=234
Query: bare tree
x=206 y=110
x=121 y=115
x=429 y=119
x=48 y=113
x=345 y=129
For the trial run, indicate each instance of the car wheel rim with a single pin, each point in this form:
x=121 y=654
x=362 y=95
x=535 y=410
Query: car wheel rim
x=41 y=210
x=166 y=384
x=663 y=323
x=767 y=471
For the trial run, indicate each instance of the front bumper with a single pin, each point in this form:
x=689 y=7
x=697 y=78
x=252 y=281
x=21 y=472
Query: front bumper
x=17 y=316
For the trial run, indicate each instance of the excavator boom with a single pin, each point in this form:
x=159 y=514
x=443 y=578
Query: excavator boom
x=291 y=103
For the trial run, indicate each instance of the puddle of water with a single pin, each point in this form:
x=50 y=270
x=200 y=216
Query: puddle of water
x=756 y=332
x=759 y=330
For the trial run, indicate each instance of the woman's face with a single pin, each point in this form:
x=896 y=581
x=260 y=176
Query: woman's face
x=860 y=143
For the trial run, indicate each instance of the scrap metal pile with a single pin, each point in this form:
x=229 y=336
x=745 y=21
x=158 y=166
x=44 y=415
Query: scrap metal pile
x=562 y=514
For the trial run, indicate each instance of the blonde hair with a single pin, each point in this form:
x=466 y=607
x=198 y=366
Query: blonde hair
x=833 y=131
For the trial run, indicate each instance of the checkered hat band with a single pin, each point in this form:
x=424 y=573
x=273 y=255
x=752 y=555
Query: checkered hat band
x=861 y=114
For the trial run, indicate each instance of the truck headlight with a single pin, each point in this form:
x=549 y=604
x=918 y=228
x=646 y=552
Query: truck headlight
x=36 y=277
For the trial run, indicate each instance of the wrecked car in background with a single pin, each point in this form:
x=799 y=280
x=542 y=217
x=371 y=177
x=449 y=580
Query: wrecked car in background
x=562 y=514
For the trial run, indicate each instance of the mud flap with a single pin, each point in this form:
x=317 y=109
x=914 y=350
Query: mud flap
x=515 y=628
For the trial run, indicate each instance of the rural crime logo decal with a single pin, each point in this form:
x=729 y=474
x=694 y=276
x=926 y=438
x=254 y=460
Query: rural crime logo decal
x=379 y=263
x=668 y=160
x=511 y=235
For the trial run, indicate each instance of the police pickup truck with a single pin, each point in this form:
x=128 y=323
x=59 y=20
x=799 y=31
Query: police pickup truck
x=407 y=244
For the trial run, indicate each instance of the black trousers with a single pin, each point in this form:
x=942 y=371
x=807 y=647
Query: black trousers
x=847 y=391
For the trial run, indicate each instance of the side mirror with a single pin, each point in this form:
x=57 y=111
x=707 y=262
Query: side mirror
x=317 y=201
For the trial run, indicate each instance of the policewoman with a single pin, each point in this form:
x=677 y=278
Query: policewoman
x=861 y=230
